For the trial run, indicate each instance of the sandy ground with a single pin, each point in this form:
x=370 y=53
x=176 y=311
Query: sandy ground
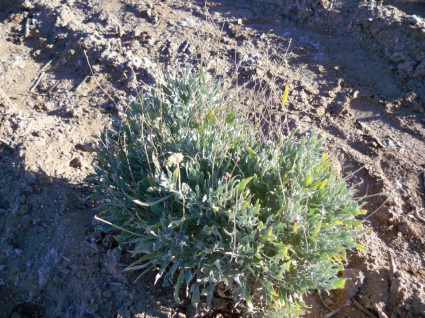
x=355 y=70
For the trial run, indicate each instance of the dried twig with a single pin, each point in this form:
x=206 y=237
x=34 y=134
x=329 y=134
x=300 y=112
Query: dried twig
x=320 y=296
x=97 y=82
x=380 y=311
x=66 y=259
x=393 y=266
x=6 y=143
x=27 y=28
x=46 y=66
x=363 y=309
x=81 y=84
x=37 y=81
x=418 y=216
x=333 y=313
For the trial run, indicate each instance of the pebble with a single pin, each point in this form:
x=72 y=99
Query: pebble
x=186 y=22
x=1 y=282
x=320 y=111
x=24 y=209
x=26 y=6
x=76 y=162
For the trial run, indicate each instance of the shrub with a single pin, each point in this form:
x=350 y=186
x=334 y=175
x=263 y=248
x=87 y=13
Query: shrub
x=201 y=197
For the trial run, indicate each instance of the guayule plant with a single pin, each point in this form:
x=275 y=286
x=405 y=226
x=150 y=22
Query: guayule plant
x=199 y=196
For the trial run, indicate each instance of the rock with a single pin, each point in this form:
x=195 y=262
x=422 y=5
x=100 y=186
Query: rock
x=1 y=282
x=24 y=209
x=186 y=22
x=74 y=112
x=397 y=57
x=328 y=301
x=219 y=304
x=180 y=315
x=305 y=12
x=355 y=278
x=405 y=229
x=310 y=89
x=139 y=63
x=420 y=70
x=320 y=111
x=406 y=66
x=26 y=6
x=76 y=162
x=22 y=198
x=5 y=100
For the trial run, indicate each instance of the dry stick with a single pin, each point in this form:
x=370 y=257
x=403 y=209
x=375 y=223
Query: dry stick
x=53 y=87
x=333 y=313
x=46 y=66
x=97 y=82
x=380 y=312
x=393 y=266
x=81 y=84
x=37 y=81
x=320 y=296
x=367 y=312
x=420 y=218
x=6 y=143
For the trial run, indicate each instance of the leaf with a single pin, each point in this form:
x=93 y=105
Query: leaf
x=284 y=97
x=196 y=297
x=361 y=247
x=308 y=178
x=251 y=152
x=176 y=176
x=145 y=258
x=243 y=184
x=316 y=229
x=177 y=287
x=231 y=117
x=210 y=117
x=339 y=283
x=151 y=203
x=209 y=292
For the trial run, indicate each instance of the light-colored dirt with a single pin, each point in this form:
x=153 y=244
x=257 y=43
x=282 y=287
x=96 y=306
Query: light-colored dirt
x=355 y=69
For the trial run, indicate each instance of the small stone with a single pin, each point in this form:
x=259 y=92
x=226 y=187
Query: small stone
x=239 y=21
x=420 y=70
x=24 y=209
x=397 y=57
x=355 y=279
x=1 y=282
x=76 y=112
x=320 y=111
x=180 y=315
x=186 y=22
x=310 y=89
x=76 y=162
x=219 y=304
x=406 y=66
x=328 y=301
x=26 y=6
x=22 y=199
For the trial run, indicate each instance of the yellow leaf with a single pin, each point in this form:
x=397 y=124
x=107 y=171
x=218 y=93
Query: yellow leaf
x=308 y=178
x=285 y=96
x=250 y=151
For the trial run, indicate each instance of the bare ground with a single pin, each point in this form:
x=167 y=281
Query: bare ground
x=355 y=69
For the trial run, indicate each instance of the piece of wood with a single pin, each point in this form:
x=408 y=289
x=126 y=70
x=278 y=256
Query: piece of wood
x=40 y=77
x=333 y=313
x=363 y=309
